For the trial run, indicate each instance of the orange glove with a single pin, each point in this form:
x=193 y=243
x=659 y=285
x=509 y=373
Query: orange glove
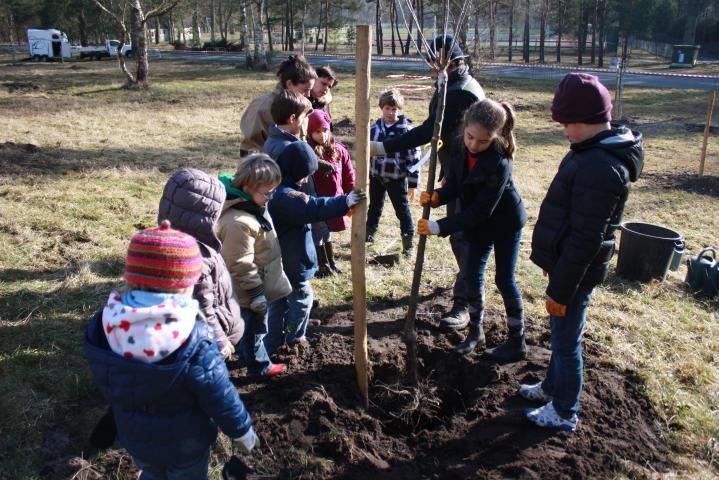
x=410 y=194
x=424 y=199
x=427 y=227
x=555 y=309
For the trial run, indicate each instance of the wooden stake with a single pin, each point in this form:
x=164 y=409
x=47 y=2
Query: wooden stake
x=359 y=217
x=707 y=129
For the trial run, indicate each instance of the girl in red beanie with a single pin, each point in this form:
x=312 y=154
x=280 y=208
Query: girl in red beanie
x=339 y=182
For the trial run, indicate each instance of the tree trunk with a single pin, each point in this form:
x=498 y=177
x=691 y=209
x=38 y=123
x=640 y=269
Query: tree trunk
x=196 y=43
x=492 y=29
x=212 y=23
x=245 y=35
x=82 y=27
x=139 y=45
x=318 y=30
x=221 y=22
x=543 y=13
x=269 y=28
x=260 y=55
x=407 y=43
x=690 y=26
x=327 y=24
x=157 y=30
x=600 y=17
x=580 y=33
x=378 y=28
x=511 y=29
x=525 y=36
x=304 y=16
x=560 y=27
x=592 y=51
x=392 y=25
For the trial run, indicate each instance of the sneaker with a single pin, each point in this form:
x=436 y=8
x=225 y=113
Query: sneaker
x=513 y=350
x=533 y=393
x=547 y=417
x=276 y=369
x=457 y=318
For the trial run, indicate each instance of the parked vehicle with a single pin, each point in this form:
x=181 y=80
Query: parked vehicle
x=109 y=49
x=50 y=44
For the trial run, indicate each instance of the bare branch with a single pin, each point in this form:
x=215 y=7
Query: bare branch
x=114 y=15
x=161 y=9
x=409 y=31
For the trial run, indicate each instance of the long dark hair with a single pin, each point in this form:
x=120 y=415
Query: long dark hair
x=497 y=118
x=296 y=69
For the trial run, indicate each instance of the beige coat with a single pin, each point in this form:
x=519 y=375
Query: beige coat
x=256 y=121
x=252 y=255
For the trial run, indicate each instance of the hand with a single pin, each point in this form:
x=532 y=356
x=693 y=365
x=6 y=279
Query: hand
x=376 y=148
x=555 y=309
x=410 y=194
x=425 y=199
x=246 y=442
x=297 y=194
x=259 y=304
x=325 y=167
x=355 y=197
x=227 y=351
x=427 y=227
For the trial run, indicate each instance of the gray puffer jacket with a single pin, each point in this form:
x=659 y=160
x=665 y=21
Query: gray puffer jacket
x=192 y=201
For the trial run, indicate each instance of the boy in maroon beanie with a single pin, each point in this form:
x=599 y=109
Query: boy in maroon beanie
x=573 y=239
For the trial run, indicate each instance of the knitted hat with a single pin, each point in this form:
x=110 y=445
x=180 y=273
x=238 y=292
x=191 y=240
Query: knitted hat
x=163 y=258
x=318 y=119
x=444 y=42
x=581 y=98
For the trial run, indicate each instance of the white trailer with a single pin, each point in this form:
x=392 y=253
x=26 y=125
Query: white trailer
x=47 y=44
x=109 y=49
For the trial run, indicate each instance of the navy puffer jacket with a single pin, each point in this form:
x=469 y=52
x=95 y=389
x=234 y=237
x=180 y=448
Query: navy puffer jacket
x=168 y=412
x=574 y=236
x=192 y=201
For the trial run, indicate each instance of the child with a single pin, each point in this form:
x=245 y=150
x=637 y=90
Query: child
x=192 y=201
x=158 y=365
x=389 y=173
x=573 y=238
x=491 y=216
x=340 y=182
x=289 y=111
x=321 y=94
x=292 y=216
x=252 y=253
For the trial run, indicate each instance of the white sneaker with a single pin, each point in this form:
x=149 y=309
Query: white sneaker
x=547 y=417
x=533 y=393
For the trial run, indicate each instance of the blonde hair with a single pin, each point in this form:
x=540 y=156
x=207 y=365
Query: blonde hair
x=391 y=97
x=255 y=170
x=498 y=119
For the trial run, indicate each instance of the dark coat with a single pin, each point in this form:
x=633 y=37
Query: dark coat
x=277 y=140
x=168 y=412
x=574 y=237
x=293 y=217
x=192 y=201
x=490 y=202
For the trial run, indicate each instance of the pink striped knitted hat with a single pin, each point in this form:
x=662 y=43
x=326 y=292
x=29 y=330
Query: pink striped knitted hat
x=162 y=258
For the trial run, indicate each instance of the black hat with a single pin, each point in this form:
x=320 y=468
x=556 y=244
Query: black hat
x=444 y=42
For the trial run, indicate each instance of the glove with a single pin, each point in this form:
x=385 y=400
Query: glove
x=355 y=197
x=410 y=194
x=259 y=304
x=325 y=167
x=425 y=199
x=427 y=227
x=376 y=148
x=246 y=442
x=555 y=309
x=227 y=351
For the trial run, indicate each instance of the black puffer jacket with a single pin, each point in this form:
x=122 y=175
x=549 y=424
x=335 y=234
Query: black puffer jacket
x=574 y=237
x=192 y=201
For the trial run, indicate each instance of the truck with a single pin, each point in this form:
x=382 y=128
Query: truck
x=109 y=49
x=49 y=44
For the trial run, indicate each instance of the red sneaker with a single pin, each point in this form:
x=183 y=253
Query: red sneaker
x=276 y=369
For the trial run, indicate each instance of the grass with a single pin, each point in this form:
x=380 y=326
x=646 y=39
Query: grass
x=101 y=155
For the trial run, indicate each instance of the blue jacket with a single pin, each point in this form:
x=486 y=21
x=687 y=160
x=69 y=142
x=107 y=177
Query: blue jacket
x=277 y=140
x=168 y=412
x=293 y=217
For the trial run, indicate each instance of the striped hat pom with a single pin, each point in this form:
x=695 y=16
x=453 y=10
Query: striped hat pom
x=163 y=258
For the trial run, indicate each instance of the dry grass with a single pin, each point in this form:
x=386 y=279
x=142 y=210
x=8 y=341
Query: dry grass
x=101 y=155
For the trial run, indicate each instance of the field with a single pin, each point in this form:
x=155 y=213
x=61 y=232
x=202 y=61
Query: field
x=83 y=162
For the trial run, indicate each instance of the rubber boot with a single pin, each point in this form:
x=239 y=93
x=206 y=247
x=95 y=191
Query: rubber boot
x=475 y=338
x=324 y=263
x=331 y=258
x=407 y=245
x=457 y=318
x=513 y=350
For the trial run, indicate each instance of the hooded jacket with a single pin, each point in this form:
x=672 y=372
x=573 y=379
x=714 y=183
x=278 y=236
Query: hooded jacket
x=277 y=140
x=574 y=237
x=168 y=412
x=192 y=201
x=252 y=253
x=292 y=216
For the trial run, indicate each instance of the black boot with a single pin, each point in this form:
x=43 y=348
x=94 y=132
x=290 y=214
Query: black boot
x=325 y=269
x=513 y=350
x=331 y=258
x=369 y=236
x=475 y=338
x=104 y=433
x=457 y=318
x=407 y=244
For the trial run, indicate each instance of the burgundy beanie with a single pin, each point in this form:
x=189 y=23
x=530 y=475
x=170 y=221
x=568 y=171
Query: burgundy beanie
x=163 y=258
x=318 y=119
x=581 y=98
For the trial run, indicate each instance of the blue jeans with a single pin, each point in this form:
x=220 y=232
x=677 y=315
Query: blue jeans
x=290 y=315
x=196 y=470
x=397 y=191
x=564 y=375
x=252 y=348
x=456 y=241
x=474 y=261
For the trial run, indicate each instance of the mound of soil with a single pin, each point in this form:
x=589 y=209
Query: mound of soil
x=463 y=421
x=688 y=182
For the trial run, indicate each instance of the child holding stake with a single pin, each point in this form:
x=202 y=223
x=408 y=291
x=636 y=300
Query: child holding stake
x=491 y=217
